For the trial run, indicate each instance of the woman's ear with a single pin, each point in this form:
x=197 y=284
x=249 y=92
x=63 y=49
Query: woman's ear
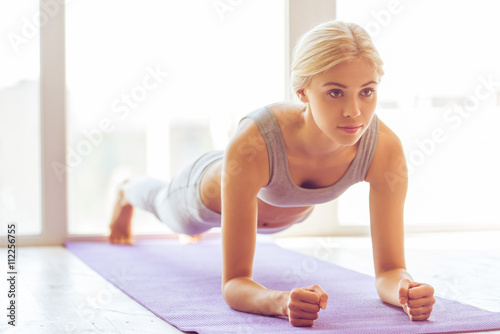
x=302 y=96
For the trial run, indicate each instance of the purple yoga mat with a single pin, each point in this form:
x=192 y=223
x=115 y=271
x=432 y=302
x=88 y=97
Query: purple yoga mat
x=181 y=284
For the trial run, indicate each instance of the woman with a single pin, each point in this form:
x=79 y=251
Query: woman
x=282 y=160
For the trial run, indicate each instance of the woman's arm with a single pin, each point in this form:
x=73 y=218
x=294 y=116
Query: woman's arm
x=388 y=179
x=245 y=172
x=242 y=177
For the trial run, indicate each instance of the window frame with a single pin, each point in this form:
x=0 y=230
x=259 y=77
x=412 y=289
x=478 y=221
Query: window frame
x=53 y=129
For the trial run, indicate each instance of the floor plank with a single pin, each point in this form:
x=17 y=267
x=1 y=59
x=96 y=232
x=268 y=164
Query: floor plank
x=60 y=294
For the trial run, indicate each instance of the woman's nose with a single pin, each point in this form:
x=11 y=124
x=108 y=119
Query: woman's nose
x=351 y=108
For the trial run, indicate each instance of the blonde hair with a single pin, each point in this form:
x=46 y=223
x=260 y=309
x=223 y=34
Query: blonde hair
x=328 y=45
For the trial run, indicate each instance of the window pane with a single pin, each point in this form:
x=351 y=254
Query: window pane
x=20 y=116
x=440 y=94
x=154 y=84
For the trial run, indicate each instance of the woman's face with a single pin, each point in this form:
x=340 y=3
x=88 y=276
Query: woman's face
x=342 y=100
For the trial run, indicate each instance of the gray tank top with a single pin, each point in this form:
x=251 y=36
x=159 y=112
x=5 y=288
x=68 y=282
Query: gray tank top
x=282 y=190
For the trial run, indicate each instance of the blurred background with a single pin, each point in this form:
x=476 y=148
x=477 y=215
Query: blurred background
x=153 y=84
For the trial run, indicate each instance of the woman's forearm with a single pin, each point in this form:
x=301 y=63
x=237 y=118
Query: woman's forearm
x=244 y=294
x=388 y=285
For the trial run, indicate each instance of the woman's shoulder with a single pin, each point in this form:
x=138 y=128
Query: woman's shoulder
x=388 y=156
x=388 y=139
x=247 y=145
x=246 y=153
x=286 y=113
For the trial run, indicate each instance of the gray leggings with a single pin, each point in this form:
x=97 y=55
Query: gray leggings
x=178 y=204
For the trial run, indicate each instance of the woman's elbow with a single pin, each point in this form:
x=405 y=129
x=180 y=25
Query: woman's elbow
x=228 y=292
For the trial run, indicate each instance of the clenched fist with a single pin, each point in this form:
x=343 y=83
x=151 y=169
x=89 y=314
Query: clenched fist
x=304 y=304
x=417 y=299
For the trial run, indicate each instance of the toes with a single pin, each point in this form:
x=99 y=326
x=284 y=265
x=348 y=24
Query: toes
x=129 y=241
x=121 y=240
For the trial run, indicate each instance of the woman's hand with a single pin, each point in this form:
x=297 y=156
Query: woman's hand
x=417 y=299
x=304 y=304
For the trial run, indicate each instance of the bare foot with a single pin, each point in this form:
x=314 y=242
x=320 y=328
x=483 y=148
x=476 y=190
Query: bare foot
x=189 y=239
x=121 y=222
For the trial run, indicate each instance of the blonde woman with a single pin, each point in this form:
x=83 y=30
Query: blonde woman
x=282 y=160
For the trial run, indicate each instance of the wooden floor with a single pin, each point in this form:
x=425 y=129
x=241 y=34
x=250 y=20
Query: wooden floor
x=57 y=293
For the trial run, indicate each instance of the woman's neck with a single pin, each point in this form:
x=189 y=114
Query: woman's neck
x=312 y=141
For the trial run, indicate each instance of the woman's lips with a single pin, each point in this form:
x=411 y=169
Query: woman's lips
x=351 y=129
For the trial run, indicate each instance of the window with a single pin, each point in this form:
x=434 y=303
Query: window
x=20 y=179
x=441 y=95
x=154 y=84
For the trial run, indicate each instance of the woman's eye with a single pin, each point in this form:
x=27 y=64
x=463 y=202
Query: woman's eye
x=367 y=92
x=335 y=93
